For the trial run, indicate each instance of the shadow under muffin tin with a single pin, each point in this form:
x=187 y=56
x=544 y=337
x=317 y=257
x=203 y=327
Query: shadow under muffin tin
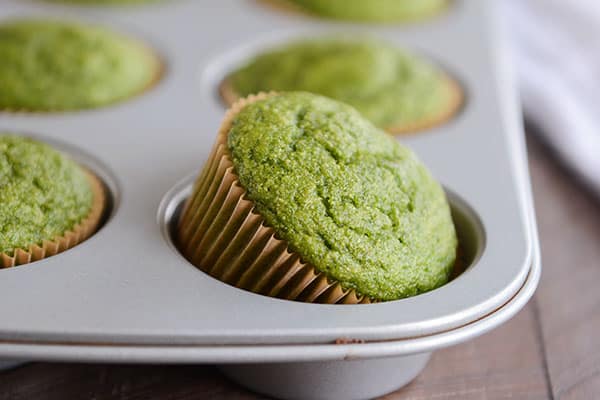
x=139 y=300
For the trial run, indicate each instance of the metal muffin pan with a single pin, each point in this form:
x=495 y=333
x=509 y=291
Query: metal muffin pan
x=127 y=295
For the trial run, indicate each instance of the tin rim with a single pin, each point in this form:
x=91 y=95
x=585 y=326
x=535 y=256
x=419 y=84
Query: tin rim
x=276 y=353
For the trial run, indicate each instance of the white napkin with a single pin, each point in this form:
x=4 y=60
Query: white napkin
x=556 y=46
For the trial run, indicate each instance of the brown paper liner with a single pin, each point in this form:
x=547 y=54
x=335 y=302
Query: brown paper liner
x=221 y=233
x=71 y=238
x=159 y=70
x=455 y=101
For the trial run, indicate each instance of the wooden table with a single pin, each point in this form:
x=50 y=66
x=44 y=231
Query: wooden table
x=551 y=350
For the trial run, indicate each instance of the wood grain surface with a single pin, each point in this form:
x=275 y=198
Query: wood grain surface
x=550 y=350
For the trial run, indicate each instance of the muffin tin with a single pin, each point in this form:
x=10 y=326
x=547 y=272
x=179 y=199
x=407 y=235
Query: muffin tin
x=127 y=295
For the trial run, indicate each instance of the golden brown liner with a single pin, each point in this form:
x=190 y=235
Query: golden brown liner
x=221 y=233
x=455 y=101
x=71 y=238
x=159 y=70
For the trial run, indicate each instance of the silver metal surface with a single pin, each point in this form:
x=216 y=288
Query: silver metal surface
x=357 y=371
x=126 y=295
x=127 y=285
x=320 y=371
x=236 y=354
x=329 y=380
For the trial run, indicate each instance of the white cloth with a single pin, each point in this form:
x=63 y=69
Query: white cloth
x=556 y=46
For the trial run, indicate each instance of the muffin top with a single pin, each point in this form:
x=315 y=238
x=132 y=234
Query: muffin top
x=43 y=193
x=390 y=87
x=348 y=198
x=51 y=65
x=373 y=10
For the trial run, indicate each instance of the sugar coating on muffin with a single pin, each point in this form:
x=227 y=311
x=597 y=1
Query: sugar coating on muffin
x=348 y=198
x=54 y=66
x=396 y=90
x=373 y=10
x=43 y=193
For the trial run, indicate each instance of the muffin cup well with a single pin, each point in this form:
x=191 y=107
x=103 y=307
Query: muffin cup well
x=69 y=239
x=451 y=86
x=222 y=233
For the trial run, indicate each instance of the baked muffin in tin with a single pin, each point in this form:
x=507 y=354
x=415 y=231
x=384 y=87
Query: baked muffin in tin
x=59 y=66
x=304 y=199
x=398 y=91
x=48 y=203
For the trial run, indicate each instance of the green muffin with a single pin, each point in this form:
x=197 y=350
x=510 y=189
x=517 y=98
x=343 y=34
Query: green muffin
x=43 y=195
x=397 y=91
x=59 y=66
x=373 y=10
x=352 y=202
